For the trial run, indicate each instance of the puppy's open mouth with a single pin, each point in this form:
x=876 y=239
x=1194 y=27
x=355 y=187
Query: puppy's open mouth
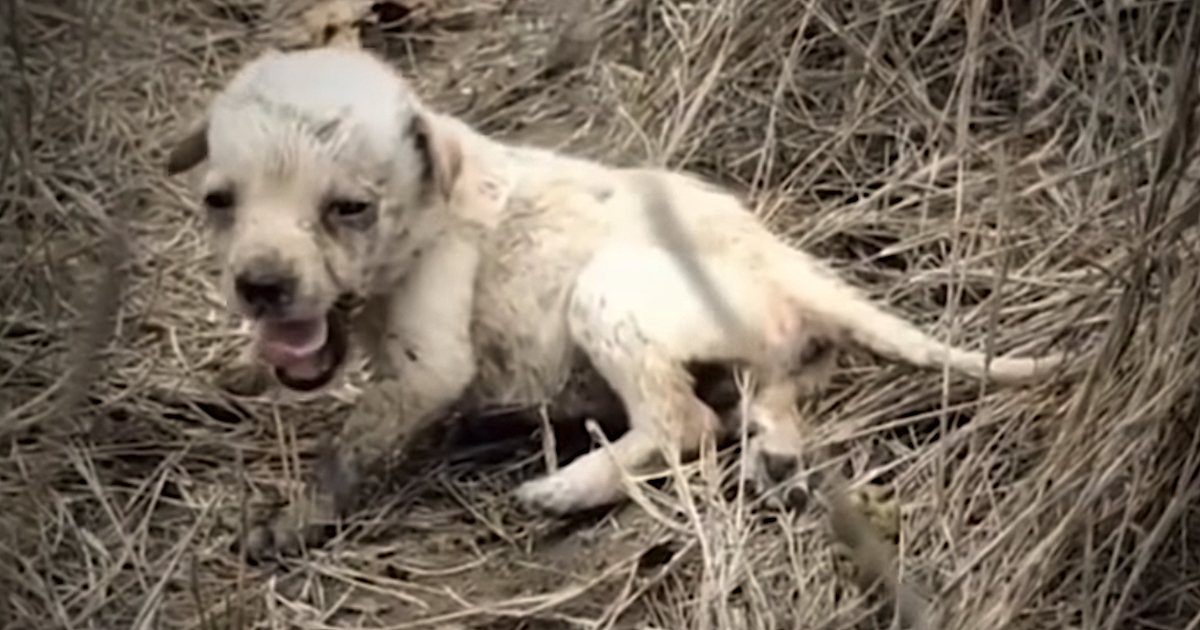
x=305 y=353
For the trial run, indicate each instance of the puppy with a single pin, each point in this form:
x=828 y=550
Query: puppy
x=488 y=272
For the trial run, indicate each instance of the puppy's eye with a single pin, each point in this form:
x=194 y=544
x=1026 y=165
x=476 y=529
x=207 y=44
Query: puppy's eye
x=347 y=208
x=219 y=200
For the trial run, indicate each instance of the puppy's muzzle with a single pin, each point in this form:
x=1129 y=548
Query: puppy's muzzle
x=266 y=288
x=305 y=343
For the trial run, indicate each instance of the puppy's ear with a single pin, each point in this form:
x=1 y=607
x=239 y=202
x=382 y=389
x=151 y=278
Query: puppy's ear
x=441 y=151
x=191 y=150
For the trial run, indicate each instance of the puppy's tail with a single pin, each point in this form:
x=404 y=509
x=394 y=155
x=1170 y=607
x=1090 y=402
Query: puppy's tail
x=820 y=292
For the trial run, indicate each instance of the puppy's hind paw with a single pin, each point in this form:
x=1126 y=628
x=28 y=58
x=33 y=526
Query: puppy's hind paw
x=552 y=495
x=583 y=486
x=775 y=474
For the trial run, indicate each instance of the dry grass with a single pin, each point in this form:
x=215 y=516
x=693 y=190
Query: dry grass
x=1010 y=174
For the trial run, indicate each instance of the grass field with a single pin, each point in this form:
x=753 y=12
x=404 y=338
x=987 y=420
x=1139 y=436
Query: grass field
x=1014 y=175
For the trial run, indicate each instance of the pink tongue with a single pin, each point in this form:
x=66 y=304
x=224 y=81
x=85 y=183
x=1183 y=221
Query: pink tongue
x=294 y=345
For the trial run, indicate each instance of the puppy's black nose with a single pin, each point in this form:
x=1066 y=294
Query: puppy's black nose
x=265 y=288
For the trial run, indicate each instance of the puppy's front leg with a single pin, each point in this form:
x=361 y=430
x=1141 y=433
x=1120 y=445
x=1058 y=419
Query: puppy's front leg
x=424 y=364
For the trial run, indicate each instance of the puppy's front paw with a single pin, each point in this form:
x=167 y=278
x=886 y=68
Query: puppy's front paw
x=289 y=531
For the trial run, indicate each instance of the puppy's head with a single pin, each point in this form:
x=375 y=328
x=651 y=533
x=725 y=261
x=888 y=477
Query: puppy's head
x=324 y=176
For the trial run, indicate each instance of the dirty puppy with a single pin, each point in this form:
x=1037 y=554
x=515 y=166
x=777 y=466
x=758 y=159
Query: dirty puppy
x=490 y=269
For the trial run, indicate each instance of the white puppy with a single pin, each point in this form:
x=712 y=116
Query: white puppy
x=489 y=271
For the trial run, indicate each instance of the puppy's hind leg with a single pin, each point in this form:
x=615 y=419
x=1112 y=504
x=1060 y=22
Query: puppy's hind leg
x=664 y=416
x=635 y=341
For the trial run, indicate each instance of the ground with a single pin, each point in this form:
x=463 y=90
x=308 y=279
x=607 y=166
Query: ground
x=1011 y=175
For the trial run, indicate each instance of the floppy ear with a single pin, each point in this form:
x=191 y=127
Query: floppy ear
x=441 y=150
x=191 y=150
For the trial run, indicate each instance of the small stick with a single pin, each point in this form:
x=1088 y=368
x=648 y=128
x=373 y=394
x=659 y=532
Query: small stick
x=549 y=443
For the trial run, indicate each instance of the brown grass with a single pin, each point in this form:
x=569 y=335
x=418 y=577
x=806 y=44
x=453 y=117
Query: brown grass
x=1014 y=175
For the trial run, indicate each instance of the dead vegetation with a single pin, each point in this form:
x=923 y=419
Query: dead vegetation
x=1015 y=174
